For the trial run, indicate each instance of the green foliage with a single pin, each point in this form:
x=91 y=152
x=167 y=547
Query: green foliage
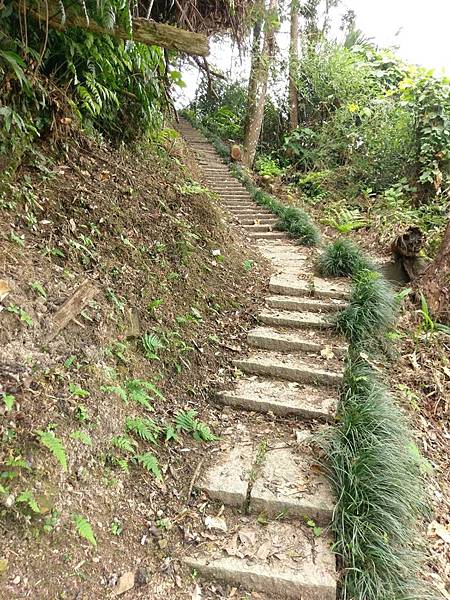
x=371 y=311
x=428 y=324
x=55 y=445
x=378 y=489
x=151 y=344
x=299 y=225
x=268 y=167
x=124 y=443
x=8 y=401
x=342 y=258
x=21 y=313
x=146 y=429
x=82 y=437
x=185 y=421
x=84 y=528
x=27 y=497
x=345 y=220
x=150 y=464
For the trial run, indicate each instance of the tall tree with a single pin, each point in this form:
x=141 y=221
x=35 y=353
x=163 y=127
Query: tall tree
x=293 y=64
x=259 y=74
x=435 y=281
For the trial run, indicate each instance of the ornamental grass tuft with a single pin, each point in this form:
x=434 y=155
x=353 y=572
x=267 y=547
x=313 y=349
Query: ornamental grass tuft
x=342 y=258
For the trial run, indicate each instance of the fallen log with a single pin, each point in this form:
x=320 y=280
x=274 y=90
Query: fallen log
x=143 y=30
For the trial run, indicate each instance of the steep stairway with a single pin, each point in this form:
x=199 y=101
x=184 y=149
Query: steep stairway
x=273 y=487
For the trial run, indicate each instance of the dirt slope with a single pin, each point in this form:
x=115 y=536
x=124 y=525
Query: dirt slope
x=164 y=262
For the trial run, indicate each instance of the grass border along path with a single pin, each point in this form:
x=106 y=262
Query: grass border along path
x=372 y=460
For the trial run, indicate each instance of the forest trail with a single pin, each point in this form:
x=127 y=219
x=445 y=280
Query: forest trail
x=273 y=490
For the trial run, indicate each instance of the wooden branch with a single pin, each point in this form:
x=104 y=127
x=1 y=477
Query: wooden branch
x=144 y=31
x=71 y=308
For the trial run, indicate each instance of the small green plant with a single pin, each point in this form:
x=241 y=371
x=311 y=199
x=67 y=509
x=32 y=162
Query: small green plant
x=27 y=497
x=124 y=443
x=38 y=288
x=150 y=464
x=81 y=436
x=8 y=400
x=84 y=528
x=342 y=258
x=146 y=429
x=315 y=529
x=22 y=314
x=154 y=305
x=55 y=445
x=428 y=324
x=70 y=360
x=151 y=344
x=346 y=220
x=116 y=527
x=78 y=391
x=116 y=301
x=81 y=413
x=268 y=167
x=185 y=421
x=248 y=265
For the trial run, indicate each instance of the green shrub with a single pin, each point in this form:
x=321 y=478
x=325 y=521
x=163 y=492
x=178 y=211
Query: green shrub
x=299 y=226
x=268 y=167
x=342 y=258
x=371 y=311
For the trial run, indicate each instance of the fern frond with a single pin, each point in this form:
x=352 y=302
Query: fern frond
x=116 y=389
x=202 y=433
x=124 y=443
x=82 y=436
x=150 y=463
x=54 y=444
x=84 y=529
x=149 y=386
x=170 y=434
x=185 y=420
x=27 y=498
x=146 y=429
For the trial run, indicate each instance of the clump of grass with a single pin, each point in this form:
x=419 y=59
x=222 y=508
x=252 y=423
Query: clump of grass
x=371 y=311
x=342 y=258
x=375 y=472
x=299 y=226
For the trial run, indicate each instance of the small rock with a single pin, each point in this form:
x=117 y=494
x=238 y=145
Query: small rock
x=126 y=582
x=216 y=523
x=16 y=580
x=141 y=576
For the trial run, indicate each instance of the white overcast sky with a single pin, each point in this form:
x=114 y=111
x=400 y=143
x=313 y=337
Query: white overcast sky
x=424 y=27
x=419 y=28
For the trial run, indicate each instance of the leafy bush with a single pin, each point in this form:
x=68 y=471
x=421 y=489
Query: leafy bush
x=268 y=167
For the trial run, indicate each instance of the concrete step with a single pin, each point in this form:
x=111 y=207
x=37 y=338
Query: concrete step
x=279 y=340
x=287 y=367
x=251 y=214
x=282 y=398
x=295 y=319
x=271 y=477
x=257 y=228
x=305 y=304
x=281 y=560
x=262 y=221
x=316 y=287
x=271 y=235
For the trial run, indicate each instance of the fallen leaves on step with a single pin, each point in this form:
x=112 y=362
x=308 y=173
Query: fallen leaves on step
x=216 y=523
x=327 y=352
x=439 y=530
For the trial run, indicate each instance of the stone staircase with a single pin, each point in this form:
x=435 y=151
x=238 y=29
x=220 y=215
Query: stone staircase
x=281 y=546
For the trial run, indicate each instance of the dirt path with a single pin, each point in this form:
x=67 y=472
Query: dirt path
x=278 y=504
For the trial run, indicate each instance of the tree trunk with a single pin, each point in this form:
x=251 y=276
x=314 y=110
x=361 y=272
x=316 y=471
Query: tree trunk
x=144 y=31
x=293 y=64
x=434 y=283
x=257 y=89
